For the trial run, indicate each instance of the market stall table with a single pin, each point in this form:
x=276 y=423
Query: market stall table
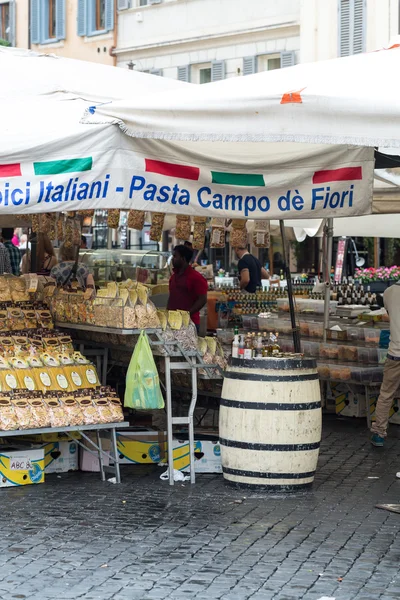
x=109 y=428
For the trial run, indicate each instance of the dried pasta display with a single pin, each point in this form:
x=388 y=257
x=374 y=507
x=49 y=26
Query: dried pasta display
x=183 y=227
x=136 y=219
x=157 y=224
x=261 y=234
x=113 y=218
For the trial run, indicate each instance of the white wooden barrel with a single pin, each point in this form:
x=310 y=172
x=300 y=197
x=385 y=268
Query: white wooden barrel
x=270 y=422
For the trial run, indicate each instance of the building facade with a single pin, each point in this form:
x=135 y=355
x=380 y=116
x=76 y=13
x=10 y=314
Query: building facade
x=82 y=29
x=207 y=40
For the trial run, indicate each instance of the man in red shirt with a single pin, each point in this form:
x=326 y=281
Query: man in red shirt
x=187 y=287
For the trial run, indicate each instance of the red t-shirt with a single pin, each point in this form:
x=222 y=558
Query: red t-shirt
x=184 y=289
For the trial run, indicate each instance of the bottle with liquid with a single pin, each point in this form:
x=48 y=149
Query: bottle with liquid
x=259 y=347
x=241 y=346
x=248 y=347
x=275 y=345
x=281 y=275
x=265 y=345
x=235 y=346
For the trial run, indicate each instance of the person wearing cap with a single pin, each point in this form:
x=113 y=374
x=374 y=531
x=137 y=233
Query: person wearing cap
x=251 y=272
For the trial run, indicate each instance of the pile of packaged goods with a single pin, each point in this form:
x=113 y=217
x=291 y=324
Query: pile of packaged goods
x=124 y=305
x=177 y=326
x=212 y=353
x=252 y=345
x=23 y=409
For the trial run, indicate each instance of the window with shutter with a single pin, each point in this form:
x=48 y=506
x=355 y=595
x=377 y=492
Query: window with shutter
x=184 y=73
x=156 y=72
x=155 y=1
x=60 y=19
x=12 y=24
x=217 y=70
x=99 y=16
x=288 y=59
x=351 y=27
x=249 y=65
x=5 y=22
x=35 y=21
x=82 y=18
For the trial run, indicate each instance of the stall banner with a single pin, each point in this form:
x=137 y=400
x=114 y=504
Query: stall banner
x=155 y=176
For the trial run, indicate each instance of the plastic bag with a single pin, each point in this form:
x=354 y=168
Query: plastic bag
x=142 y=383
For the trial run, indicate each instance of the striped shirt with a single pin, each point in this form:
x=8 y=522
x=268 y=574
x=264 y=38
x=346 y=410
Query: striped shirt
x=5 y=263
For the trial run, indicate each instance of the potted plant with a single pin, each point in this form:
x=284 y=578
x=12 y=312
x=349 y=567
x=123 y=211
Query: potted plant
x=378 y=279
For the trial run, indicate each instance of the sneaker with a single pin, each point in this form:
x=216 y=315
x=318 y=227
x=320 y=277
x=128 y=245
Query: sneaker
x=377 y=440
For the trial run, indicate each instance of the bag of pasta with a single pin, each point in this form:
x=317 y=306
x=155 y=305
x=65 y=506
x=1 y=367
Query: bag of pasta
x=113 y=218
x=48 y=225
x=142 y=382
x=239 y=237
x=136 y=219
x=23 y=413
x=183 y=227
x=72 y=410
x=261 y=234
x=39 y=410
x=157 y=224
x=217 y=233
x=8 y=418
x=199 y=232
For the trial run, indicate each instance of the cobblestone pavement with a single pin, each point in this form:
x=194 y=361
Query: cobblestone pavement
x=76 y=537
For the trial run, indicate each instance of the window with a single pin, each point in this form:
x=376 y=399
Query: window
x=205 y=75
x=352 y=15
x=52 y=24
x=47 y=21
x=95 y=17
x=268 y=62
x=4 y=21
x=100 y=15
x=7 y=22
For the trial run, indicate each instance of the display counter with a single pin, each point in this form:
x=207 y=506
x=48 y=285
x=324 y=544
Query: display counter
x=150 y=267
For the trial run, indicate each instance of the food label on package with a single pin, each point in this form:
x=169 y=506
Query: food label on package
x=76 y=378
x=29 y=383
x=91 y=376
x=45 y=379
x=11 y=381
x=62 y=381
x=248 y=353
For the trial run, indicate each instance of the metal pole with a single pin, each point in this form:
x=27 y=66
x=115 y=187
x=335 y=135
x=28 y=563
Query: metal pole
x=296 y=334
x=169 y=420
x=328 y=235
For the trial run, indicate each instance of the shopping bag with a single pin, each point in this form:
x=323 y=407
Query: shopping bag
x=142 y=389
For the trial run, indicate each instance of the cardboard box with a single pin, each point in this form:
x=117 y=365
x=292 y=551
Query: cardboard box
x=21 y=467
x=61 y=457
x=89 y=462
x=207 y=454
x=141 y=447
x=394 y=415
x=349 y=399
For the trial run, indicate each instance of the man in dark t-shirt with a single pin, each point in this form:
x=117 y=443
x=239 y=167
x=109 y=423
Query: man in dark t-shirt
x=251 y=272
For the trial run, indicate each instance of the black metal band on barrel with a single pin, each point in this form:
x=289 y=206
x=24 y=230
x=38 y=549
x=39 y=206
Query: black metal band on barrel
x=276 y=378
x=269 y=447
x=269 y=405
x=260 y=475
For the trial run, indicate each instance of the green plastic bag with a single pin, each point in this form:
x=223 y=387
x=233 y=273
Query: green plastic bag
x=143 y=390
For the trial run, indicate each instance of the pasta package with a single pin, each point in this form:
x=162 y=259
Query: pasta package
x=174 y=319
x=239 y=237
x=157 y=224
x=57 y=416
x=88 y=213
x=18 y=289
x=163 y=319
x=113 y=218
x=71 y=409
x=8 y=418
x=238 y=223
x=89 y=410
x=117 y=414
x=40 y=412
x=183 y=227
x=185 y=317
x=103 y=409
x=5 y=293
x=261 y=234
x=217 y=237
x=136 y=219
x=199 y=234
x=23 y=413
x=48 y=224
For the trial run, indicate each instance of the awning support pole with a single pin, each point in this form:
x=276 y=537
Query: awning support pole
x=296 y=334
x=328 y=238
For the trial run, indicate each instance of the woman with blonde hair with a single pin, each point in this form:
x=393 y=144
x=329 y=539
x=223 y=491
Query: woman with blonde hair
x=45 y=256
x=69 y=268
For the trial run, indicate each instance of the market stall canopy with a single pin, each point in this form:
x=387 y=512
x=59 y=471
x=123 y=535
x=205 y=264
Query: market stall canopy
x=51 y=162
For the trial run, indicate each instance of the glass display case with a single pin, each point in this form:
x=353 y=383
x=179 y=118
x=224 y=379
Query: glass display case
x=147 y=266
